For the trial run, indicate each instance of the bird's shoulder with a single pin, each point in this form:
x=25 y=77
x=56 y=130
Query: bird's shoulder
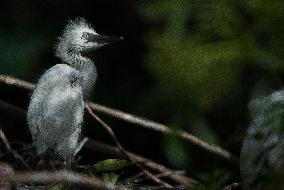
x=60 y=71
x=60 y=74
x=56 y=82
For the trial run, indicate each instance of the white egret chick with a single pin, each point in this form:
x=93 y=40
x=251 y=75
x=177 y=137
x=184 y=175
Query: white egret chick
x=55 y=113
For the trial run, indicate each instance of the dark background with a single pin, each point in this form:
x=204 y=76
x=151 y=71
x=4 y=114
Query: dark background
x=193 y=65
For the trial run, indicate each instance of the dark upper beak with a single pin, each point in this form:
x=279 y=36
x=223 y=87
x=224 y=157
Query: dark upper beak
x=103 y=39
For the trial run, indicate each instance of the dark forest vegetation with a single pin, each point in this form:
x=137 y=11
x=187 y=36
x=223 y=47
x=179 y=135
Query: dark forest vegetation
x=192 y=65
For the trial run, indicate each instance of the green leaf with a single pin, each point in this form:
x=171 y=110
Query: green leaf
x=110 y=178
x=58 y=187
x=110 y=165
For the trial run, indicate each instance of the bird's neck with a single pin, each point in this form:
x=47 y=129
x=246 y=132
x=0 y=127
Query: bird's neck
x=73 y=58
x=87 y=70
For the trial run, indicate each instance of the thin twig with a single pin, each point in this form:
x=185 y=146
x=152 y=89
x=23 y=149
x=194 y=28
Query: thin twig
x=165 y=174
x=111 y=150
x=132 y=178
x=10 y=150
x=134 y=119
x=160 y=188
x=138 y=121
x=123 y=151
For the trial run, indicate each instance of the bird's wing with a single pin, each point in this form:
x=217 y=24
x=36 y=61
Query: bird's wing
x=64 y=111
x=53 y=103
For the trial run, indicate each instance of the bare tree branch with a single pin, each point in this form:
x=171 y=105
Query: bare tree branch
x=139 y=121
x=113 y=151
x=164 y=129
x=16 y=82
x=65 y=177
x=124 y=152
x=46 y=177
x=68 y=177
x=108 y=149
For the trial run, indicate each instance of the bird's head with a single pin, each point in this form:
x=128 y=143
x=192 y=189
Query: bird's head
x=79 y=37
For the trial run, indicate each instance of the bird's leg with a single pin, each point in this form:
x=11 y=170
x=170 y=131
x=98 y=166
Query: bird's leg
x=68 y=160
x=46 y=160
x=80 y=146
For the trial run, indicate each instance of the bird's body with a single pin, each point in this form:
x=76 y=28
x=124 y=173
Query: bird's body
x=55 y=121
x=55 y=113
x=262 y=155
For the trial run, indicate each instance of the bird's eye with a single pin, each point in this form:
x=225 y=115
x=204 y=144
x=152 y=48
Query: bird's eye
x=86 y=35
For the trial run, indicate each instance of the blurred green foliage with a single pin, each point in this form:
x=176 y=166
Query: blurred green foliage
x=199 y=53
x=198 y=49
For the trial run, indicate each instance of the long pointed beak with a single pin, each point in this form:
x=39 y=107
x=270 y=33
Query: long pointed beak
x=104 y=40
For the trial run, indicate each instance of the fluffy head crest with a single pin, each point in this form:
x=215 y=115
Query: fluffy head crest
x=72 y=41
x=78 y=24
